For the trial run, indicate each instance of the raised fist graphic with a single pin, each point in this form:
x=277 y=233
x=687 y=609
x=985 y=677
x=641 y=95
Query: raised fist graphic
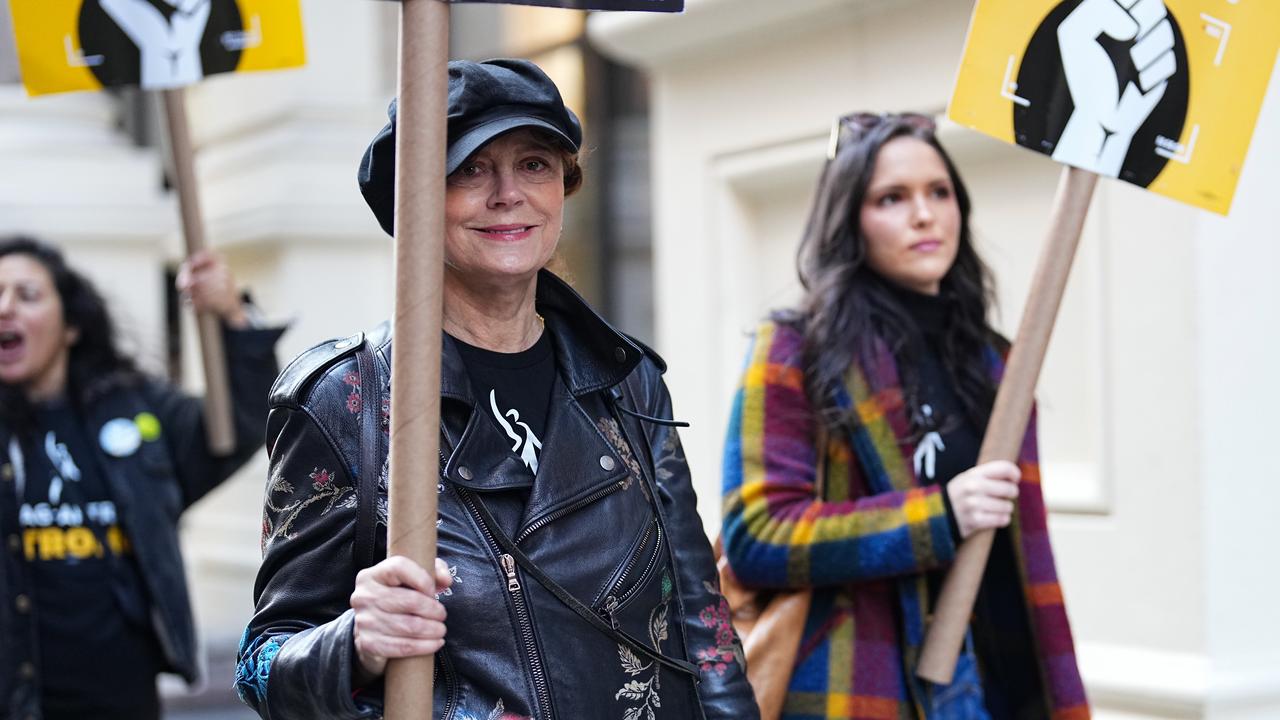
x=1107 y=114
x=170 y=49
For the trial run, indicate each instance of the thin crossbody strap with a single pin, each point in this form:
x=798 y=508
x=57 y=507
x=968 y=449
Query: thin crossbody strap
x=569 y=600
x=366 y=480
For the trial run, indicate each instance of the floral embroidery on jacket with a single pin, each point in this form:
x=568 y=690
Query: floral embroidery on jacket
x=447 y=592
x=645 y=692
x=383 y=508
x=323 y=488
x=671 y=458
x=354 y=401
x=727 y=649
x=321 y=479
x=497 y=713
x=609 y=428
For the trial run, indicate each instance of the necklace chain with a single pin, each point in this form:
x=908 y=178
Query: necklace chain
x=542 y=324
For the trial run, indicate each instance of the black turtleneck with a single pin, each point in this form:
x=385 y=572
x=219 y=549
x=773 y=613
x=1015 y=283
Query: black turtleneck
x=1000 y=625
x=935 y=407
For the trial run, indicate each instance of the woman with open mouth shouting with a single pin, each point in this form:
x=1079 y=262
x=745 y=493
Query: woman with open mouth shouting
x=97 y=462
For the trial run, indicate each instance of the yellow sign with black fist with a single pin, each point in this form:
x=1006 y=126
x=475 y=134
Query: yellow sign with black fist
x=70 y=45
x=1164 y=94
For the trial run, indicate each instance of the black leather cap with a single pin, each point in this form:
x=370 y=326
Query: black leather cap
x=486 y=99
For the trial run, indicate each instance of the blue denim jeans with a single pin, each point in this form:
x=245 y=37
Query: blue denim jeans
x=962 y=699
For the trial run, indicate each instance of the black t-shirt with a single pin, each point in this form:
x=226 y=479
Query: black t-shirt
x=95 y=660
x=515 y=391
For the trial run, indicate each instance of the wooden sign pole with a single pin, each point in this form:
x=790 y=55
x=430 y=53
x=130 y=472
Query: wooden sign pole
x=217 y=394
x=1009 y=417
x=415 y=367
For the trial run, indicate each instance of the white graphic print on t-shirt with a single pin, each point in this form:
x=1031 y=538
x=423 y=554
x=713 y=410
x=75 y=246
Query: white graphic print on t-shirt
x=57 y=531
x=62 y=463
x=526 y=447
x=931 y=444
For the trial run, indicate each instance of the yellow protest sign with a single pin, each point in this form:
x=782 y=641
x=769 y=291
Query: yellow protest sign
x=70 y=45
x=1161 y=94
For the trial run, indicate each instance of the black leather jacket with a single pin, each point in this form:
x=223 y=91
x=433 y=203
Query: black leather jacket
x=151 y=488
x=590 y=522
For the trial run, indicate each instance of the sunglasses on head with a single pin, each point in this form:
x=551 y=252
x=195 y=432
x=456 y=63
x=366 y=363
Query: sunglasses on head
x=855 y=126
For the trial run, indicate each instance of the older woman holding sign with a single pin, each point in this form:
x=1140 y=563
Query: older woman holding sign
x=574 y=577
x=851 y=464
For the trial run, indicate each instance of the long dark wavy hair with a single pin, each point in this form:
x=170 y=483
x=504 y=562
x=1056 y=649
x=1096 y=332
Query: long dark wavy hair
x=848 y=309
x=95 y=363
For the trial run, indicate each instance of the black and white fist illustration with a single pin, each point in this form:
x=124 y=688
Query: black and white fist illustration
x=1108 y=113
x=1103 y=85
x=170 y=48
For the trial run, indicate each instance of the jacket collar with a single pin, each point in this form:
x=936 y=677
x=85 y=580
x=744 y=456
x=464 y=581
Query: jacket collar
x=590 y=353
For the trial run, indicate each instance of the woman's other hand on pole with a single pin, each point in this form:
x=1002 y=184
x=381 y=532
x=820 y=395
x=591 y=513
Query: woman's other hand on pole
x=982 y=497
x=397 y=614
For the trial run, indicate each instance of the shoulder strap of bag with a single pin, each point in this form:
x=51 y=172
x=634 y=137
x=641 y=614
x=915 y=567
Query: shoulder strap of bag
x=569 y=600
x=366 y=481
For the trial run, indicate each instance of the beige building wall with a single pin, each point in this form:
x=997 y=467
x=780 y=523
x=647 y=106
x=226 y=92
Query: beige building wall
x=1156 y=399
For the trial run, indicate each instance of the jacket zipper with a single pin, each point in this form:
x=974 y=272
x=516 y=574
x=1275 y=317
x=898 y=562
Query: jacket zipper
x=611 y=611
x=509 y=566
x=613 y=603
x=508 y=563
x=631 y=561
x=450 y=685
x=552 y=517
x=446 y=669
x=526 y=631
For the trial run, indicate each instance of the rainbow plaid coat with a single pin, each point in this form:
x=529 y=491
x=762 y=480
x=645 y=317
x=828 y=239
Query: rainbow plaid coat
x=868 y=543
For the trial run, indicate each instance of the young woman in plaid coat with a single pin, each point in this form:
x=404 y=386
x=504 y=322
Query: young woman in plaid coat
x=850 y=462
